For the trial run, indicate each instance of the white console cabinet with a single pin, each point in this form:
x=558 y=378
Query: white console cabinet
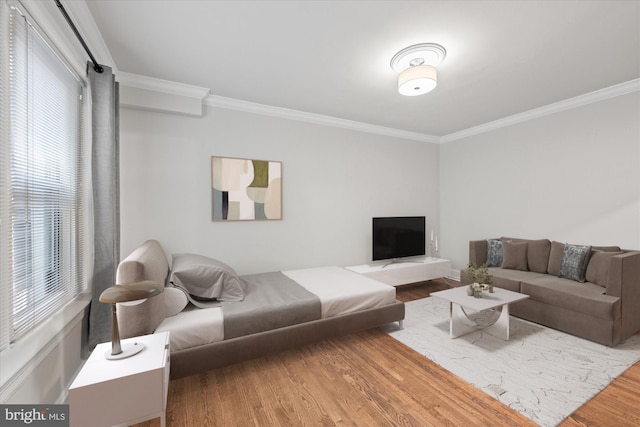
x=405 y=272
x=124 y=391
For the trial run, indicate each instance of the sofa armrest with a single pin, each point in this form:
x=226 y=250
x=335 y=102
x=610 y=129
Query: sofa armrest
x=624 y=282
x=478 y=252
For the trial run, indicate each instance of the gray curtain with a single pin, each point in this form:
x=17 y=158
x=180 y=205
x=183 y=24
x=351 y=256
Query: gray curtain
x=106 y=197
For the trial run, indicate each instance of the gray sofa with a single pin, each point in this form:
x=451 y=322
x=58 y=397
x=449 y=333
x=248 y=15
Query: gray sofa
x=595 y=296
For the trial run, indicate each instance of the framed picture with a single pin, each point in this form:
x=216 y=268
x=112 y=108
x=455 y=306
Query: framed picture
x=244 y=189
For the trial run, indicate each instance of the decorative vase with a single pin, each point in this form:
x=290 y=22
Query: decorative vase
x=470 y=290
x=477 y=293
x=490 y=289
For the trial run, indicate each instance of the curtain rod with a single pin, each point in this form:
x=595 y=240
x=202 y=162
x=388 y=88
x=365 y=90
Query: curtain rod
x=97 y=67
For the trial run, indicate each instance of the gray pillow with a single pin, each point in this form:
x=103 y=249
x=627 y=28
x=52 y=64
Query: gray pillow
x=598 y=268
x=555 y=258
x=494 y=253
x=515 y=255
x=574 y=263
x=538 y=255
x=205 y=278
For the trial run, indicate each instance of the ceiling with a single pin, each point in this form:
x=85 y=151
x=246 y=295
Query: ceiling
x=332 y=57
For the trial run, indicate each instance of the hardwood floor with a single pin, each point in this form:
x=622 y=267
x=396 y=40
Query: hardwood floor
x=364 y=379
x=616 y=405
x=421 y=290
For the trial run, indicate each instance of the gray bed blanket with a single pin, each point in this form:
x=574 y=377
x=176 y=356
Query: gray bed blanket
x=272 y=301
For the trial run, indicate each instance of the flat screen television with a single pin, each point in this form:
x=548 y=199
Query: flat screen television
x=398 y=237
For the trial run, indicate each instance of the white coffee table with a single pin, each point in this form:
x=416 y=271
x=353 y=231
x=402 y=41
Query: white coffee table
x=498 y=302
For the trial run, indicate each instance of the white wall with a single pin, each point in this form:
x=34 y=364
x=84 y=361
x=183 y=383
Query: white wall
x=334 y=182
x=572 y=177
x=47 y=376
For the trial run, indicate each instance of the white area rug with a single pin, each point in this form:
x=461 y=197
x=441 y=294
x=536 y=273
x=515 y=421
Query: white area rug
x=542 y=373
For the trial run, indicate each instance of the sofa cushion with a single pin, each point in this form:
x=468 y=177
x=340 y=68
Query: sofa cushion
x=510 y=279
x=514 y=255
x=598 y=268
x=494 y=253
x=584 y=298
x=538 y=255
x=555 y=258
x=513 y=239
x=575 y=259
x=607 y=248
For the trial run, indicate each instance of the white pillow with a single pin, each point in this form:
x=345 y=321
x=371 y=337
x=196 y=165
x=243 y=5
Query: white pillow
x=175 y=301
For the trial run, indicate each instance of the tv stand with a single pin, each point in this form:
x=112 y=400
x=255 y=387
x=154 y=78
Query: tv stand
x=406 y=271
x=398 y=261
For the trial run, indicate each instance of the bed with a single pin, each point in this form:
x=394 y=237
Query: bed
x=276 y=311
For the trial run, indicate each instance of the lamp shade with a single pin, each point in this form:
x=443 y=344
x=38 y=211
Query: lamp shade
x=131 y=292
x=417 y=80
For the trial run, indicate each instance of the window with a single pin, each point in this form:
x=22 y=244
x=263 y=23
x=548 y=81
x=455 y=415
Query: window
x=41 y=211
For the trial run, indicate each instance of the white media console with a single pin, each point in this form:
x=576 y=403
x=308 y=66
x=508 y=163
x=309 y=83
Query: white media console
x=405 y=272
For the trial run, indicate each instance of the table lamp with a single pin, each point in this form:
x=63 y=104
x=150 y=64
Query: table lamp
x=125 y=293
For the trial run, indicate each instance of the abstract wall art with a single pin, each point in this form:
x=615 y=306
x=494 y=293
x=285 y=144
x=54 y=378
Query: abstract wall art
x=244 y=189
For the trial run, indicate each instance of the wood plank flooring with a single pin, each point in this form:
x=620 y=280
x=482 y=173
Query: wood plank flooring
x=364 y=379
x=616 y=405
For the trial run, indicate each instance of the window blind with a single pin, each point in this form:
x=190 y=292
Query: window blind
x=41 y=162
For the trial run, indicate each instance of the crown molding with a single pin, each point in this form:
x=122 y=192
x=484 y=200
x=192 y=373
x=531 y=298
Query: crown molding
x=83 y=19
x=567 y=104
x=86 y=25
x=302 y=116
x=165 y=86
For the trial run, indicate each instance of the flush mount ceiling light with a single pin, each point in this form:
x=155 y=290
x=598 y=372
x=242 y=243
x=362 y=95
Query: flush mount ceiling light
x=417 y=67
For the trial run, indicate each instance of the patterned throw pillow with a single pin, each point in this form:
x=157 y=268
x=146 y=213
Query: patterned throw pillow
x=494 y=253
x=574 y=262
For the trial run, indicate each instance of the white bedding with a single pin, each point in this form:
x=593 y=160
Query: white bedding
x=340 y=292
x=193 y=326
